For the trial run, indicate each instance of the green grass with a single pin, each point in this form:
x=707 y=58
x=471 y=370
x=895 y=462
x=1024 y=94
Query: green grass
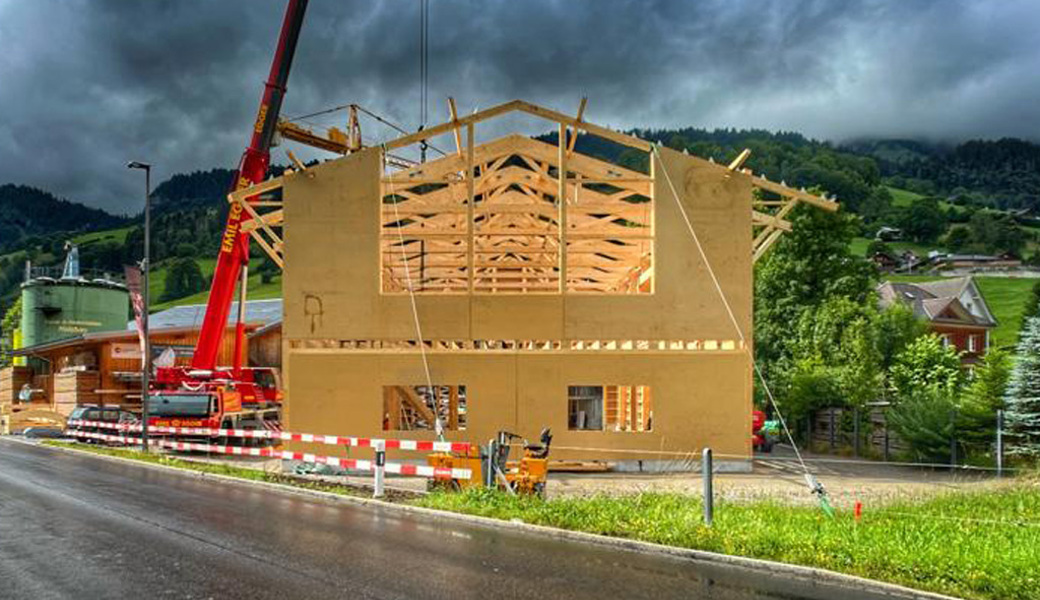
x=1005 y=296
x=256 y=290
x=902 y=197
x=935 y=545
x=858 y=247
x=107 y=235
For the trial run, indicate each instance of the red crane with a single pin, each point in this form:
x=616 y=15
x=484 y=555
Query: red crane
x=233 y=259
x=204 y=393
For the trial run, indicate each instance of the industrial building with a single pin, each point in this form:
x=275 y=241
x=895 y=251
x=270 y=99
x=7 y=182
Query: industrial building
x=104 y=367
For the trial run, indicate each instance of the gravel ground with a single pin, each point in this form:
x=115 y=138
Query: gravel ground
x=777 y=477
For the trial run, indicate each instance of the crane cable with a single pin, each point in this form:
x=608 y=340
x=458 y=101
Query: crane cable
x=424 y=70
x=438 y=425
x=815 y=487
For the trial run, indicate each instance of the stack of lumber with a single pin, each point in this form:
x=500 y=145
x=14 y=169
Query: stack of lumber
x=11 y=381
x=75 y=387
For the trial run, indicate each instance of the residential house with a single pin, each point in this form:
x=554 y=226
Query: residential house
x=954 y=308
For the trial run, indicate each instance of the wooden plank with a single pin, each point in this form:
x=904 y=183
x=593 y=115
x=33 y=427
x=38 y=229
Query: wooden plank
x=561 y=199
x=471 y=195
x=603 y=132
x=255 y=190
x=738 y=162
x=581 y=113
x=431 y=132
x=454 y=113
x=783 y=190
x=453 y=408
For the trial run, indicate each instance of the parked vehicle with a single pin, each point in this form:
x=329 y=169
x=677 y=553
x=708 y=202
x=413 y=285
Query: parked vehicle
x=107 y=414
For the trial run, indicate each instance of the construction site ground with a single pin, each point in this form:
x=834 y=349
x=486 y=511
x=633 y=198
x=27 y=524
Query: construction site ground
x=777 y=476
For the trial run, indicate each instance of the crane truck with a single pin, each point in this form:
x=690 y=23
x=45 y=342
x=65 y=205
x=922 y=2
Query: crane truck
x=205 y=394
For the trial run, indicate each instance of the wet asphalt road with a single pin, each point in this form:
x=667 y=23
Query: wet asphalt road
x=75 y=526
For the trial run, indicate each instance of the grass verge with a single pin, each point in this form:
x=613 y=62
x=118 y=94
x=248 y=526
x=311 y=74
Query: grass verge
x=219 y=469
x=973 y=545
x=983 y=545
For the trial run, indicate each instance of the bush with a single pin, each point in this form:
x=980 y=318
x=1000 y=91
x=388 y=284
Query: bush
x=183 y=278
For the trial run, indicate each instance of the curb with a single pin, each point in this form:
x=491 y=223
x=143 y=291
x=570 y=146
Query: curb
x=810 y=575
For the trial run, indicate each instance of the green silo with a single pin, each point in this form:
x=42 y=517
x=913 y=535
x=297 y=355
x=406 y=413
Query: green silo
x=54 y=309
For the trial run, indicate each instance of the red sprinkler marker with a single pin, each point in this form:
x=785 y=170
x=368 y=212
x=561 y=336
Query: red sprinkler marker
x=858 y=510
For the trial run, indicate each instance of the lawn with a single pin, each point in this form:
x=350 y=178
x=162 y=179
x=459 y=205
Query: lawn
x=109 y=235
x=903 y=197
x=969 y=544
x=256 y=290
x=858 y=247
x=1006 y=297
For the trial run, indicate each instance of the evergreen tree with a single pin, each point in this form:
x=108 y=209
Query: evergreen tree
x=983 y=397
x=1022 y=400
x=927 y=380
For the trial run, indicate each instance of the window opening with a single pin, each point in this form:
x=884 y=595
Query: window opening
x=417 y=407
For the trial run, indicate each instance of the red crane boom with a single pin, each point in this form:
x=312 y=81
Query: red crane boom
x=233 y=258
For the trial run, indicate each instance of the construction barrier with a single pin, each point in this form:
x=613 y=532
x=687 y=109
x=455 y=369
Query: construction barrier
x=332 y=461
x=285 y=436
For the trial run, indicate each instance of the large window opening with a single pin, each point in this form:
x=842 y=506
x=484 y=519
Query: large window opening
x=619 y=408
x=517 y=236
x=417 y=407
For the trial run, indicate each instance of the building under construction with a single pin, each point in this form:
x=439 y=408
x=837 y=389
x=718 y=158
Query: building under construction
x=518 y=284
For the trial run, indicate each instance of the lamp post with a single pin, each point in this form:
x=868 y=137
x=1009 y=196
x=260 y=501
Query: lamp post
x=145 y=267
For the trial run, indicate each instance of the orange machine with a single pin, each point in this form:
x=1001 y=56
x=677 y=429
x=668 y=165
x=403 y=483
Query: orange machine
x=525 y=476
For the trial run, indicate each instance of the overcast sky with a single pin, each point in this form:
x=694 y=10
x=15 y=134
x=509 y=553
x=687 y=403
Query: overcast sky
x=86 y=85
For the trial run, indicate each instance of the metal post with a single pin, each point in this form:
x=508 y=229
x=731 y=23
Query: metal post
x=885 y=416
x=855 y=431
x=1000 y=443
x=146 y=379
x=489 y=467
x=145 y=267
x=953 y=438
x=709 y=495
x=830 y=426
x=380 y=470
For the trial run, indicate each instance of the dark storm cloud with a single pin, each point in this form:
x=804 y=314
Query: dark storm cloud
x=86 y=85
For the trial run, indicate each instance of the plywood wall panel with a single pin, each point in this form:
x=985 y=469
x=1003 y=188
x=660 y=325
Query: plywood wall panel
x=700 y=399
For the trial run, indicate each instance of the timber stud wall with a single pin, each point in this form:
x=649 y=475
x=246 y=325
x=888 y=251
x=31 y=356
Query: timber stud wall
x=338 y=320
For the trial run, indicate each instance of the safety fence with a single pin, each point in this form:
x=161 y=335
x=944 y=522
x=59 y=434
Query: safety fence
x=80 y=429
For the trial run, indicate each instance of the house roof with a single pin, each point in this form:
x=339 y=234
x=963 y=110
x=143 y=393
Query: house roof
x=103 y=336
x=938 y=301
x=259 y=312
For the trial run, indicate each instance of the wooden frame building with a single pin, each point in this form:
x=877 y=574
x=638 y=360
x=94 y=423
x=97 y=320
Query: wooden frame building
x=518 y=284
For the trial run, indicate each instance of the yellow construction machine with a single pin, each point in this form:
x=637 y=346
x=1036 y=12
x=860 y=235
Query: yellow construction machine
x=491 y=465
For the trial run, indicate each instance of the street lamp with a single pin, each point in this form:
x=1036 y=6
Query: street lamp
x=145 y=267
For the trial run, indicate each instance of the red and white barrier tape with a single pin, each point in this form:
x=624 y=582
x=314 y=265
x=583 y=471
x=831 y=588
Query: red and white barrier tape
x=332 y=461
x=286 y=436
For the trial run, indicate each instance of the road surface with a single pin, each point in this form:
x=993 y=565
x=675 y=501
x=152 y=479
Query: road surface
x=74 y=526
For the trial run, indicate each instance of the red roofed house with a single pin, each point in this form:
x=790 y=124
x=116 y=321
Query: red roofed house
x=954 y=309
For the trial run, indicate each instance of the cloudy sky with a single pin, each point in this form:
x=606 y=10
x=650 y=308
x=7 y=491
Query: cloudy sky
x=86 y=85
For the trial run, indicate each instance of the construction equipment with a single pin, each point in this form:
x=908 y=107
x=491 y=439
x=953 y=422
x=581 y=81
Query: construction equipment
x=764 y=434
x=204 y=394
x=525 y=476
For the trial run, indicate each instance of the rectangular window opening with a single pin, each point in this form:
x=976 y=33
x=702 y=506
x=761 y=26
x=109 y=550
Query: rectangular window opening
x=417 y=407
x=619 y=408
x=520 y=235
